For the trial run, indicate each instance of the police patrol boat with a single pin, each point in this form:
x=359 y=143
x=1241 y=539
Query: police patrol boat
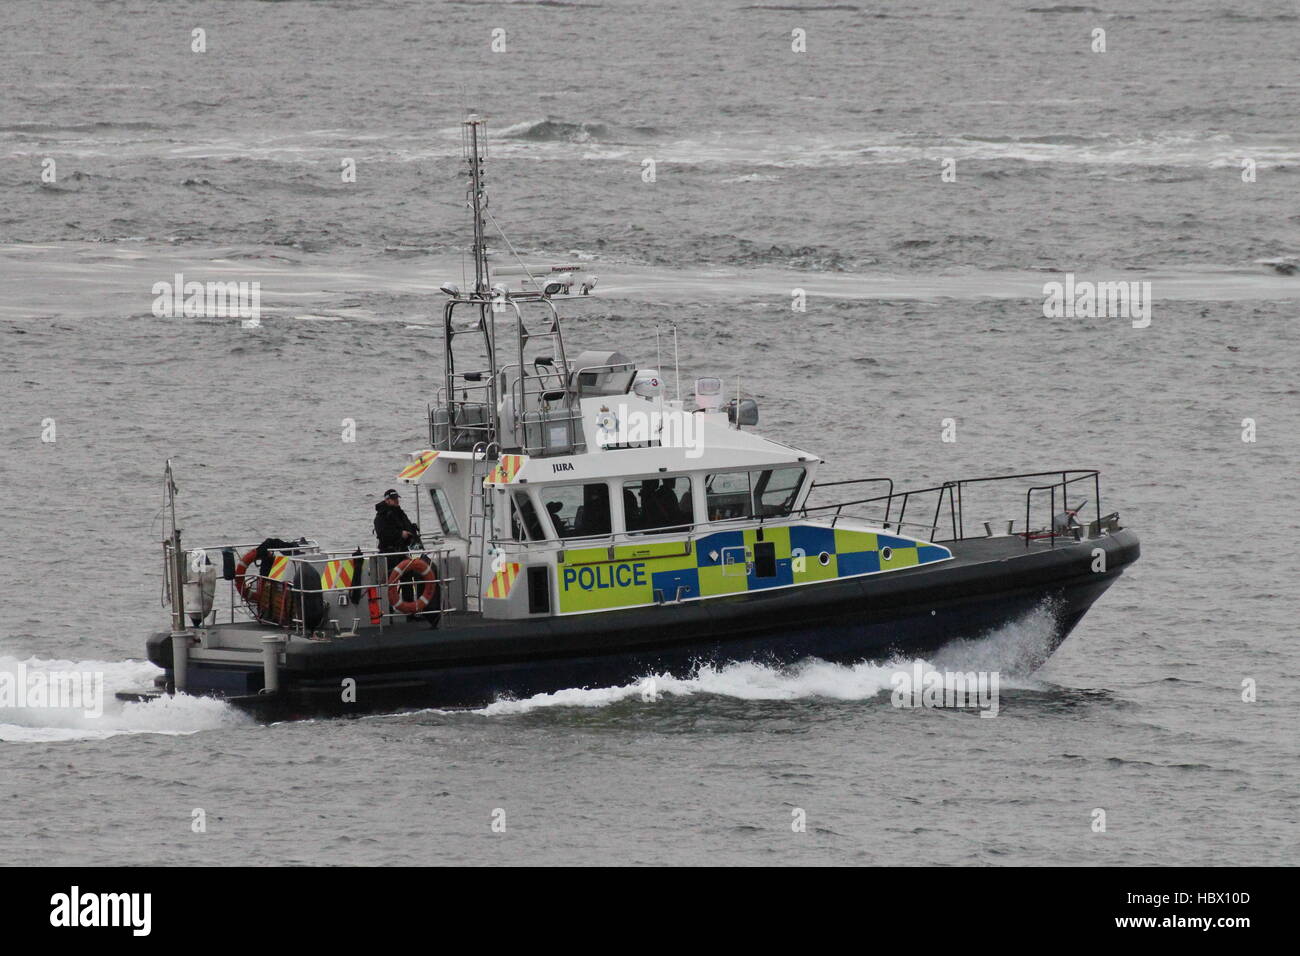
x=579 y=527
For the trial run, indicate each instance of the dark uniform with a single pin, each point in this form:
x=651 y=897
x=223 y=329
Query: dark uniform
x=390 y=522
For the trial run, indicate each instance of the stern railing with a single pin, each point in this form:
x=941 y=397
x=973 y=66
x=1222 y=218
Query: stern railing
x=282 y=601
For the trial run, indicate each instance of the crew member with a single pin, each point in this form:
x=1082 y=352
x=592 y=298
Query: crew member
x=395 y=531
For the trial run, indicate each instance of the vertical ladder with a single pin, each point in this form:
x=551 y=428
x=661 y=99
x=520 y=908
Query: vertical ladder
x=480 y=516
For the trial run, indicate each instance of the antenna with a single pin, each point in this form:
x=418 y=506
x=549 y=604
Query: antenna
x=659 y=370
x=677 y=368
x=509 y=245
x=478 y=203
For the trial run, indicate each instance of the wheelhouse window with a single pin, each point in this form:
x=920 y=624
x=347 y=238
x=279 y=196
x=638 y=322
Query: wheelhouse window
x=577 y=511
x=653 y=503
x=770 y=493
x=727 y=495
x=524 y=521
x=776 y=491
x=442 y=510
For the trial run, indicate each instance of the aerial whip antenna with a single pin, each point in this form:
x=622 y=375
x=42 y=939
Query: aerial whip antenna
x=477 y=201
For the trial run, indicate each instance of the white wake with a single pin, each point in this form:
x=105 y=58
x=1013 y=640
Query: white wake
x=33 y=709
x=1014 y=651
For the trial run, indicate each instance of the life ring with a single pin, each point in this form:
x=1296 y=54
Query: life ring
x=247 y=590
x=424 y=572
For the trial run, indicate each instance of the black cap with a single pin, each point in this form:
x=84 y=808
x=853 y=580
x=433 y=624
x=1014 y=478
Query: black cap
x=391 y=493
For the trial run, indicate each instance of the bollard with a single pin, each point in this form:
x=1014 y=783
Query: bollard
x=180 y=661
x=271 y=663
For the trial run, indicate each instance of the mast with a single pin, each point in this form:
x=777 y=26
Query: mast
x=477 y=398
x=478 y=203
x=476 y=416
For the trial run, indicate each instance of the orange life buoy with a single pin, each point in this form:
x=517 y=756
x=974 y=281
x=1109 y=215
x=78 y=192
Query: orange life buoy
x=419 y=567
x=247 y=590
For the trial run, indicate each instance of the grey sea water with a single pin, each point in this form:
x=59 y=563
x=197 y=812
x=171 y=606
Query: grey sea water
x=774 y=171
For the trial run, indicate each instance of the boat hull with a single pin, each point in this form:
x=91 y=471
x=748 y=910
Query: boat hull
x=989 y=584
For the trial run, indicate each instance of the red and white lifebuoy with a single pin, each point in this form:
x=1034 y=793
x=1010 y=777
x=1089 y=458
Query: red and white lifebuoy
x=423 y=572
x=247 y=589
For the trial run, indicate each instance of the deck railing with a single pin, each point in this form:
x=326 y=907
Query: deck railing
x=953 y=494
x=286 y=600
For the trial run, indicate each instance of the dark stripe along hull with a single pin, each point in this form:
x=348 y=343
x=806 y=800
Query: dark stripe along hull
x=990 y=583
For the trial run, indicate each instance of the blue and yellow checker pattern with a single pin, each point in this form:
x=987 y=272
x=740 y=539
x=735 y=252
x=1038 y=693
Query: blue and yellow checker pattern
x=594 y=579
